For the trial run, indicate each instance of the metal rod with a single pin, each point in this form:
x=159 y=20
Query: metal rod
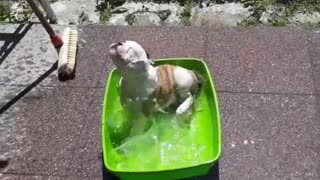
x=47 y=8
x=41 y=18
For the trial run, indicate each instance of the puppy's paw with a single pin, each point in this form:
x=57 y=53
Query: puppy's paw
x=180 y=111
x=183 y=108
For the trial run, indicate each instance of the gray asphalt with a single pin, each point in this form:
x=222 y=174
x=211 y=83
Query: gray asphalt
x=267 y=78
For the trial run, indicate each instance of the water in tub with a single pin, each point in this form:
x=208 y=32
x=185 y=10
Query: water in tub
x=166 y=144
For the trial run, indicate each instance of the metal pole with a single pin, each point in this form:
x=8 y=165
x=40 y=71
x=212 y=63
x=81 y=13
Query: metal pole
x=41 y=18
x=50 y=13
x=55 y=38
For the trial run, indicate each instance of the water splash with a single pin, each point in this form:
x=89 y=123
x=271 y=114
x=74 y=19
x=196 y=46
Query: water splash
x=168 y=143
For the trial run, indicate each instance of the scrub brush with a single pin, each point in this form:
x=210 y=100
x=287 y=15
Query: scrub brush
x=66 y=46
x=67 y=53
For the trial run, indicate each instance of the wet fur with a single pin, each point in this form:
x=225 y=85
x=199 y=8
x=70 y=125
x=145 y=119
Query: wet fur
x=146 y=88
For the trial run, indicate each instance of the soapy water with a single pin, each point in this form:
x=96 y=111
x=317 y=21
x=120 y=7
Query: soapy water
x=166 y=144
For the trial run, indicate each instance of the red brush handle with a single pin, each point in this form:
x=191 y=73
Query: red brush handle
x=56 y=41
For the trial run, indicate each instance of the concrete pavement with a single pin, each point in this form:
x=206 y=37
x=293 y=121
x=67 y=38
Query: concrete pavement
x=267 y=78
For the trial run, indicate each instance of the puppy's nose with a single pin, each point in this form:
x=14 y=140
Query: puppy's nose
x=114 y=45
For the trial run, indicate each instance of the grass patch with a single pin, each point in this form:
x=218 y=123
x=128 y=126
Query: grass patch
x=5 y=10
x=186 y=13
x=15 y=17
x=280 y=11
x=104 y=9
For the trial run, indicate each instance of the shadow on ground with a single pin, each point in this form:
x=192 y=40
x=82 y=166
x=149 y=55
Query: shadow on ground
x=10 y=42
x=28 y=88
x=12 y=39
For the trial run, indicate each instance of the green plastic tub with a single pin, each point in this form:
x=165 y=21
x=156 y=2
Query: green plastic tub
x=166 y=150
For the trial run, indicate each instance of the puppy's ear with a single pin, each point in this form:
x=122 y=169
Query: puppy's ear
x=150 y=60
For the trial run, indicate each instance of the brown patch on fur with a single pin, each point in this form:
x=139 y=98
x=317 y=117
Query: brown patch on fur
x=167 y=88
x=167 y=84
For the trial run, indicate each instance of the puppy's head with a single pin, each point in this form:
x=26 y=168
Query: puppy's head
x=129 y=55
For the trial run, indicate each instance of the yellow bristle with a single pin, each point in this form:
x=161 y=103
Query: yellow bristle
x=72 y=48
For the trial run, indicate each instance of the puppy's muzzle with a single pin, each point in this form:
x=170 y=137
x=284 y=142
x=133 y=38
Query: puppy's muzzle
x=113 y=49
x=115 y=45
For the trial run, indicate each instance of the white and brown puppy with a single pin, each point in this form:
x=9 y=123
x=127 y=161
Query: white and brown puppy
x=149 y=88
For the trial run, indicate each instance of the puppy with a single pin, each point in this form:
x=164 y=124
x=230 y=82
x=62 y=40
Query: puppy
x=146 y=88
